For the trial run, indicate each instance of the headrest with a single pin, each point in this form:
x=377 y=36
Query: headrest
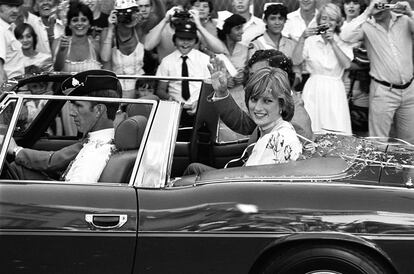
x=141 y=109
x=129 y=133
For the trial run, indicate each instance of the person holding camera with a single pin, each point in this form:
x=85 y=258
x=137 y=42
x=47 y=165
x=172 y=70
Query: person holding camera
x=185 y=61
x=160 y=36
x=122 y=45
x=387 y=30
x=326 y=57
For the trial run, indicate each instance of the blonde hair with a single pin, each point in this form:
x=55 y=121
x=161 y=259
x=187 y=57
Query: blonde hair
x=275 y=81
x=333 y=12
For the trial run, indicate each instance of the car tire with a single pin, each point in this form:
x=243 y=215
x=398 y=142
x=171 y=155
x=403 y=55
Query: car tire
x=313 y=259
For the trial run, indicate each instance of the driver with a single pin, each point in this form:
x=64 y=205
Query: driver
x=85 y=160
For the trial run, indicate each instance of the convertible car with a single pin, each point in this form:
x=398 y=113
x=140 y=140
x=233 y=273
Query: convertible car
x=346 y=207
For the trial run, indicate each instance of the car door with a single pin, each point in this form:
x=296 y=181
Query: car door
x=60 y=228
x=208 y=145
x=53 y=227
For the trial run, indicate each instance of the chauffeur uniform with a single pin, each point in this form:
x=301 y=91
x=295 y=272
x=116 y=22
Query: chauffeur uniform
x=40 y=165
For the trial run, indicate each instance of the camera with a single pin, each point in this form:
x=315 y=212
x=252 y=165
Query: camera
x=321 y=29
x=181 y=17
x=383 y=6
x=125 y=15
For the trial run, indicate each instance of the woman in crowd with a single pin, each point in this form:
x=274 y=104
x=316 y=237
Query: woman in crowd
x=76 y=52
x=28 y=38
x=122 y=44
x=356 y=79
x=326 y=57
x=231 y=34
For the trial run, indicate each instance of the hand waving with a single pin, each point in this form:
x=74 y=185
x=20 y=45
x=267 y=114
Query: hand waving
x=218 y=76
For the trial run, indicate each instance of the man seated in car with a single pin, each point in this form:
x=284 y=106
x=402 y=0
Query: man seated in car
x=85 y=160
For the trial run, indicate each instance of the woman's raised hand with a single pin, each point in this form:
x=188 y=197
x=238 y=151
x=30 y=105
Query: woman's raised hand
x=218 y=76
x=64 y=43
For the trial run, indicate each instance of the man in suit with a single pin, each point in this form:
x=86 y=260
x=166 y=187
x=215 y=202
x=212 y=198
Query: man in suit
x=82 y=161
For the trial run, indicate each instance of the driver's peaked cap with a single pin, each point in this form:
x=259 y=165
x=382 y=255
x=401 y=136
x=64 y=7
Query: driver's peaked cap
x=86 y=82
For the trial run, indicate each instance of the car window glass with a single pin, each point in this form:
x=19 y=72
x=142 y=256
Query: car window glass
x=30 y=111
x=108 y=156
x=224 y=134
x=5 y=119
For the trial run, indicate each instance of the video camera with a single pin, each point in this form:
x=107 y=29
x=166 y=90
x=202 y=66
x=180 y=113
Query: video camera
x=383 y=6
x=321 y=29
x=125 y=15
x=180 y=17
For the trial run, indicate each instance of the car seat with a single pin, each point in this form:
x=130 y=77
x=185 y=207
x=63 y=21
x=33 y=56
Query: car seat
x=128 y=137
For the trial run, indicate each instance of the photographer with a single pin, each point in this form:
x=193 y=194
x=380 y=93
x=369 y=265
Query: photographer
x=387 y=34
x=122 y=46
x=160 y=36
x=326 y=58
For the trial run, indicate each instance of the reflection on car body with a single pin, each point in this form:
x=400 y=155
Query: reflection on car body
x=355 y=211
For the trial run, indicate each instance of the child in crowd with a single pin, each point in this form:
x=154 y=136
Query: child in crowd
x=144 y=87
x=185 y=61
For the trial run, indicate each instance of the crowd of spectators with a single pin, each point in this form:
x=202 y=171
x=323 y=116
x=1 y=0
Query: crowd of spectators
x=177 y=38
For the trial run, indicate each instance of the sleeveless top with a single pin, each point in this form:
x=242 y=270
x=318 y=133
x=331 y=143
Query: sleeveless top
x=131 y=64
x=79 y=66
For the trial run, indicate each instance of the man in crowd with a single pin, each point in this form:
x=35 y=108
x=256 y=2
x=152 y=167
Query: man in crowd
x=387 y=35
x=11 y=53
x=298 y=21
x=254 y=26
x=93 y=119
x=47 y=26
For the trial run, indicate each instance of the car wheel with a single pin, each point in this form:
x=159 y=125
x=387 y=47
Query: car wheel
x=324 y=259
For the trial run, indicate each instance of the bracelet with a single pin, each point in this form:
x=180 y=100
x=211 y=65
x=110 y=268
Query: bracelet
x=16 y=150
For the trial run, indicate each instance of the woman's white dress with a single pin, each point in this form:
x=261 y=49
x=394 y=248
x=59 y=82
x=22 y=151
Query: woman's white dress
x=324 y=93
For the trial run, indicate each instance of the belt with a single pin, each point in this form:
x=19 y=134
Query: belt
x=384 y=83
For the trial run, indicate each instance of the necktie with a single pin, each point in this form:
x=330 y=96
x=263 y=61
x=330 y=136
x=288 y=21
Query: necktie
x=185 y=89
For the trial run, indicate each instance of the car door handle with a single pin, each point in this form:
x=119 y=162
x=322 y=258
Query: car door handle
x=106 y=221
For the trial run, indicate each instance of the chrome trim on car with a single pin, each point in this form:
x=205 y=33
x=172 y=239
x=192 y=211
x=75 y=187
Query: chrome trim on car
x=19 y=103
x=157 y=156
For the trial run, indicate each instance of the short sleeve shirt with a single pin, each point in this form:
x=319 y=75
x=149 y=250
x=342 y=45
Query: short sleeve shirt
x=197 y=67
x=10 y=51
x=251 y=29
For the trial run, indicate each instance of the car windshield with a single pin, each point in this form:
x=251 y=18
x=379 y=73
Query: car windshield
x=40 y=126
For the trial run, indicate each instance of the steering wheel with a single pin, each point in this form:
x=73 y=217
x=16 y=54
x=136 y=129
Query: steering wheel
x=8 y=172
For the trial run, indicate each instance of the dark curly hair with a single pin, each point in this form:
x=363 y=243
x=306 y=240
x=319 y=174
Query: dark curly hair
x=75 y=8
x=275 y=58
x=277 y=8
